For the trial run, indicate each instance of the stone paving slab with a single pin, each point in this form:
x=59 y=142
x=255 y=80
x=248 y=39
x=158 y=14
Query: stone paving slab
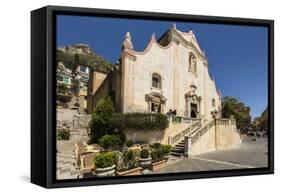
x=251 y=154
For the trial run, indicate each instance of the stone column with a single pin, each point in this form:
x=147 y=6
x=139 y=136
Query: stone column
x=162 y=107
x=170 y=140
x=170 y=121
x=188 y=108
x=149 y=106
x=199 y=108
x=187 y=146
x=216 y=133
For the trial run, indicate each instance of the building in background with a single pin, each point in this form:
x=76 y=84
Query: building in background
x=83 y=67
x=261 y=123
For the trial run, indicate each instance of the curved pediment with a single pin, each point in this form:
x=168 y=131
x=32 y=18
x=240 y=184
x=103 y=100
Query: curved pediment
x=155 y=96
x=194 y=97
x=185 y=38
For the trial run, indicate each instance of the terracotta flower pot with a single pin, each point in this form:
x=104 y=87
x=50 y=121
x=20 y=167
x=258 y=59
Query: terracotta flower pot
x=158 y=165
x=134 y=171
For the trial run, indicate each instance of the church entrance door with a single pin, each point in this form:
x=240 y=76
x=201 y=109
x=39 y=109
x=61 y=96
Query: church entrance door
x=155 y=107
x=193 y=108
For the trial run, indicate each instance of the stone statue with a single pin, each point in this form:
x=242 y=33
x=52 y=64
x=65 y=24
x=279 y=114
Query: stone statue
x=192 y=63
x=127 y=43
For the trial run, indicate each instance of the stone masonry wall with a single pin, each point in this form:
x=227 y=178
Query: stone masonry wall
x=219 y=137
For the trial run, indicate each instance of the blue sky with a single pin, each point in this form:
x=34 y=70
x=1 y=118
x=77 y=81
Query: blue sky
x=237 y=55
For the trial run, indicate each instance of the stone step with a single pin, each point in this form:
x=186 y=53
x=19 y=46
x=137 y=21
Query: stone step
x=179 y=150
x=179 y=146
x=181 y=143
x=176 y=154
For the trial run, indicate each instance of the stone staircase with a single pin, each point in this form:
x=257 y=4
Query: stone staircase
x=79 y=131
x=66 y=168
x=178 y=140
x=178 y=149
x=79 y=134
x=66 y=160
x=194 y=135
x=82 y=112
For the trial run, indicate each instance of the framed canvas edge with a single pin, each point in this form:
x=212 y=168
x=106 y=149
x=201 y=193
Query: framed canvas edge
x=51 y=181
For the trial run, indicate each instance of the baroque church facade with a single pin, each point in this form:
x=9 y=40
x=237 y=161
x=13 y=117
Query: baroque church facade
x=170 y=74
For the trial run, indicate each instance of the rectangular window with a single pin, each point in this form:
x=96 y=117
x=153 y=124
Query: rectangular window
x=155 y=82
x=65 y=80
x=156 y=108
x=82 y=68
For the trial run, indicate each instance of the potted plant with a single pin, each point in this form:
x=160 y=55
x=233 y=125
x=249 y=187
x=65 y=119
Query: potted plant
x=166 y=150
x=130 y=166
x=110 y=142
x=105 y=163
x=145 y=159
x=159 y=156
x=129 y=143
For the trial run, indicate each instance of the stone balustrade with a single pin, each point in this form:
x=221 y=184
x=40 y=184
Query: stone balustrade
x=176 y=138
x=182 y=119
x=196 y=136
x=189 y=120
x=225 y=122
x=222 y=127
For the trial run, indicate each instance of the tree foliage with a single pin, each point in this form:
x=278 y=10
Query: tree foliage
x=100 y=119
x=230 y=108
x=110 y=141
x=96 y=62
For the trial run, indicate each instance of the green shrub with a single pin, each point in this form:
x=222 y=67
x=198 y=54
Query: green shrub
x=110 y=141
x=159 y=151
x=63 y=135
x=122 y=138
x=166 y=148
x=117 y=120
x=129 y=159
x=157 y=154
x=105 y=159
x=129 y=143
x=176 y=119
x=140 y=121
x=144 y=153
x=101 y=119
x=156 y=145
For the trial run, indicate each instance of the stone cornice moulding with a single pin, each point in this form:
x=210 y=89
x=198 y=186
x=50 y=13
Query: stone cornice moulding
x=188 y=44
x=178 y=39
x=126 y=53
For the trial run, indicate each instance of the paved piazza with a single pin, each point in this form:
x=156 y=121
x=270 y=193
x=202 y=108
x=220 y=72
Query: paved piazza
x=251 y=154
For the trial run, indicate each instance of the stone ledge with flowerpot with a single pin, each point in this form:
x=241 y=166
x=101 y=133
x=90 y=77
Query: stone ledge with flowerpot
x=145 y=162
x=145 y=159
x=158 y=165
x=105 y=164
x=130 y=172
x=108 y=171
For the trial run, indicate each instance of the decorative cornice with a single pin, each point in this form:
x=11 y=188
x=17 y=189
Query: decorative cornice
x=127 y=53
x=187 y=44
x=174 y=37
x=152 y=95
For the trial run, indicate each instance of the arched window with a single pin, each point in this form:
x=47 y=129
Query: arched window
x=213 y=103
x=156 y=80
x=192 y=63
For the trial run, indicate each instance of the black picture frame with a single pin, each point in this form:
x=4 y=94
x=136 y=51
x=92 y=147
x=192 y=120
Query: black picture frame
x=43 y=113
